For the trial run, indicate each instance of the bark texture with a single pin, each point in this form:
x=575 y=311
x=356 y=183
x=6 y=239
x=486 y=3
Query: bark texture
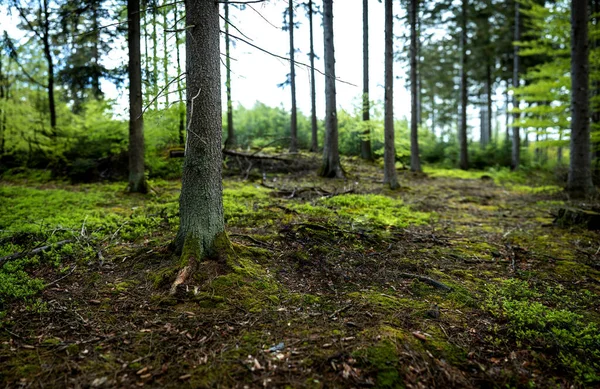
x=137 y=181
x=201 y=200
x=580 y=174
x=415 y=161
x=294 y=118
x=314 y=141
x=331 y=156
x=464 y=98
x=365 y=143
x=180 y=104
x=230 y=142
x=389 y=151
x=50 y=63
x=516 y=141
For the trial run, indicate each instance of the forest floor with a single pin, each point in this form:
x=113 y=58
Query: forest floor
x=458 y=279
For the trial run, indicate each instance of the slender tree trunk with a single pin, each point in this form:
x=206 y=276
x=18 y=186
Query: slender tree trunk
x=389 y=151
x=488 y=90
x=595 y=125
x=462 y=131
x=507 y=113
x=147 y=90
x=415 y=162
x=516 y=143
x=50 y=63
x=580 y=174
x=294 y=119
x=202 y=227
x=154 y=55
x=559 y=152
x=230 y=142
x=180 y=104
x=418 y=64
x=314 y=142
x=137 y=182
x=96 y=91
x=165 y=26
x=365 y=142
x=331 y=156
x=3 y=103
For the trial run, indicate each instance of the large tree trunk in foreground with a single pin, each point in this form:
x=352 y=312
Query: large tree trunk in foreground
x=294 y=118
x=331 y=156
x=516 y=143
x=314 y=141
x=464 y=99
x=137 y=181
x=201 y=227
x=415 y=162
x=230 y=142
x=365 y=142
x=580 y=174
x=389 y=152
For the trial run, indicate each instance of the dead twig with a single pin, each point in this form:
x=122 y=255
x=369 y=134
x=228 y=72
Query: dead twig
x=427 y=280
x=34 y=251
x=61 y=278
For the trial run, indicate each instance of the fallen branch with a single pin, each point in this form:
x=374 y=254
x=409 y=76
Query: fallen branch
x=61 y=278
x=427 y=280
x=34 y=251
x=255 y=156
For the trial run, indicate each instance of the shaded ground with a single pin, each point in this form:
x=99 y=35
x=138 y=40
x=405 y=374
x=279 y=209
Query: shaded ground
x=327 y=293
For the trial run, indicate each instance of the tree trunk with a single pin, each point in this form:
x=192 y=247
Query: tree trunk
x=165 y=26
x=331 y=156
x=154 y=56
x=580 y=175
x=180 y=104
x=389 y=152
x=415 y=162
x=314 y=142
x=3 y=104
x=230 y=142
x=365 y=142
x=488 y=90
x=516 y=143
x=294 y=119
x=50 y=63
x=96 y=91
x=462 y=131
x=595 y=126
x=137 y=182
x=506 y=111
x=147 y=90
x=201 y=200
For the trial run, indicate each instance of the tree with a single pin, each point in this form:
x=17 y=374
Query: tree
x=294 y=118
x=180 y=103
x=230 y=142
x=41 y=29
x=331 y=157
x=137 y=181
x=516 y=141
x=365 y=143
x=389 y=155
x=464 y=97
x=415 y=162
x=580 y=176
x=314 y=141
x=202 y=227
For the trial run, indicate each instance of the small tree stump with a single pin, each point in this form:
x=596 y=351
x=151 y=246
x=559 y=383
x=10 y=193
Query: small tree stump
x=578 y=217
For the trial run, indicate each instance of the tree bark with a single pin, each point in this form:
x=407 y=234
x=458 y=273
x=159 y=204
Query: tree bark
x=314 y=142
x=365 y=142
x=595 y=126
x=462 y=131
x=389 y=152
x=331 y=156
x=415 y=162
x=488 y=92
x=137 y=181
x=165 y=12
x=154 y=55
x=201 y=199
x=580 y=175
x=96 y=91
x=294 y=118
x=180 y=104
x=230 y=142
x=516 y=143
x=3 y=104
x=50 y=63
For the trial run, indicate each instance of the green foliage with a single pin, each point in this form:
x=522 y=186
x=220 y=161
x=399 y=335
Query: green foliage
x=535 y=324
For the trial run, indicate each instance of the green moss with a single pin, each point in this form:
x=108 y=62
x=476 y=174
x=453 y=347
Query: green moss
x=575 y=270
x=381 y=360
x=387 y=302
x=163 y=277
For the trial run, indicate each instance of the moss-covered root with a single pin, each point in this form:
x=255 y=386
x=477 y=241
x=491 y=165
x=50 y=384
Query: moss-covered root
x=194 y=253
